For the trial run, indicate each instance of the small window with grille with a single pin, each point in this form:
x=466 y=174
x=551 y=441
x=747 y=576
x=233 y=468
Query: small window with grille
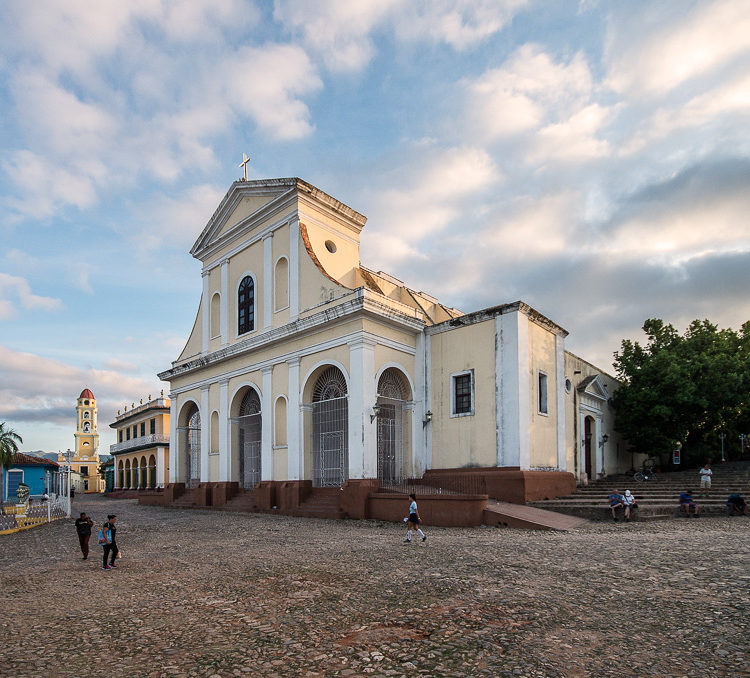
x=462 y=394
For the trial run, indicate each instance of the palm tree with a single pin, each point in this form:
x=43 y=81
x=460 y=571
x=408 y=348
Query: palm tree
x=9 y=440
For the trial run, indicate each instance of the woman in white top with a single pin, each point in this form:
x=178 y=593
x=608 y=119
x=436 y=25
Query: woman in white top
x=630 y=503
x=706 y=474
x=414 y=520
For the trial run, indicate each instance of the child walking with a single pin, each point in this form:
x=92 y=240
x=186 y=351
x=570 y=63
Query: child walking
x=414 y=520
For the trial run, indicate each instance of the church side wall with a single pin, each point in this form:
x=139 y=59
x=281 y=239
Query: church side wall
x=542 y=427
x=466 y=440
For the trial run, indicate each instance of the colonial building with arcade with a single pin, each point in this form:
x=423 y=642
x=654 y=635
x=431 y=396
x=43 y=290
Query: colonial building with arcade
x=306 y=369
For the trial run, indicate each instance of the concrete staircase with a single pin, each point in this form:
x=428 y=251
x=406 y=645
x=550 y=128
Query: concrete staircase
x=658 y=496
x=188 y=499
x=243 y=501
x=323 y=502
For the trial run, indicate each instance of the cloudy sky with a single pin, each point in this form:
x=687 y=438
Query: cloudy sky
x=590 y=158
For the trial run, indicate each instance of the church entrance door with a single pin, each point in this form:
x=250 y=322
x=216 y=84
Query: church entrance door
x=393 y=393
x=330 y=444
x=587 y=447
x=250 y=432
x=193 y=449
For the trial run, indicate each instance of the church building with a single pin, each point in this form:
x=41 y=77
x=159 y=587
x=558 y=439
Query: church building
x=306 y=367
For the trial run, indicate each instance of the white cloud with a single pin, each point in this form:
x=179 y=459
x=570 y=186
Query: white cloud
x=340 y=31
x=430 y=190
x=11 y=285
x=529 y=90
x=267 y=83
x=655 y=50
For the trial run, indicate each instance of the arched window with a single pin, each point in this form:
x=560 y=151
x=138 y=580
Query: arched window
x=246 y=306
x=281 y=284
x=215 y=315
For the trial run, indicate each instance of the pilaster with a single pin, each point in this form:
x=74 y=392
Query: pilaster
x=205 y=312
x=267 y=280
x=205 y=435
x=224 y=306
x=295 y=450
x=224 y=428
x=362 y=396
x=174 y=442
x=562 y=461
x=294 y=269
x=266 y=431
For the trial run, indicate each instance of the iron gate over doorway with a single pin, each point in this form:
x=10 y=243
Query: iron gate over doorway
x=390 y=440
x=250 y=427
x=330 y=443
x=191 y=434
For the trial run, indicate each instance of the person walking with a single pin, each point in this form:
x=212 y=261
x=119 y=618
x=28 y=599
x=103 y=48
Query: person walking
x=83 y=527
x=109 y=532
x=706 y=474
x=413 y=520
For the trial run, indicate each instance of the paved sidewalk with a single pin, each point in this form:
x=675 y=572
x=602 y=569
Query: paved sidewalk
x=202 y=593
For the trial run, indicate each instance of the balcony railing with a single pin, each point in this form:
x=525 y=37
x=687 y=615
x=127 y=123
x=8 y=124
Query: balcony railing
x=143 y=441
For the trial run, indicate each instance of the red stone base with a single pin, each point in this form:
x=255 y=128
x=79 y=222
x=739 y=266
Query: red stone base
x=505 y=484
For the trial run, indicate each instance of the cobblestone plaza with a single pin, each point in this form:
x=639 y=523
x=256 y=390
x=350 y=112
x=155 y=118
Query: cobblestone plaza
x=202 y=593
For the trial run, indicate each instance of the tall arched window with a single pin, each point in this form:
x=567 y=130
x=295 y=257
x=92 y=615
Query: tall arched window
x=246 y=306
x=215 y=315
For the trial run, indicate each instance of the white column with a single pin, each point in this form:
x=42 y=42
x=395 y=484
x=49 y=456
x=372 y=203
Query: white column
x=418 y=455
x=159 y=470
x=174 y=442
x=293 y=269
x=427 y=430
x=596 y=442
x=362 y=396
x=266 y=440
x=205 y=311
x=295 y=450
x=225 y=450
x=562 y=457
x=512 y=389
x=267 y=280
x=224 y=304
x=205 y=434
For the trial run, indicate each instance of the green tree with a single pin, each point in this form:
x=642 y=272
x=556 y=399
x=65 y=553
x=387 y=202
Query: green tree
x=9 y=440
x=686 y=388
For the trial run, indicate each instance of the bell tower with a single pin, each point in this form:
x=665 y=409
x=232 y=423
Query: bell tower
x=86 y=435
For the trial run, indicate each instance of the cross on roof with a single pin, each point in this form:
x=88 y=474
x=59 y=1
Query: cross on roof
x=243 y=164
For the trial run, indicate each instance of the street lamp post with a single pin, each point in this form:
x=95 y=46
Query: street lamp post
x=68 y=457
x=742 y=444
x=721 y=437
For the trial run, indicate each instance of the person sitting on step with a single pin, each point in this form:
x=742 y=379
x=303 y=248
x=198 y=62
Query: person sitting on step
x=736 y=505
x=616 y=500
x=686 y=502
x=630 y=504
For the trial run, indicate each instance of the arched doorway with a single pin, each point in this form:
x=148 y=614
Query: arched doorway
x=587 y=446
x=192 y=449
x=393 y=394
x=120 y=475
x=127 y=474
x=330 y=430
x=152 y=471
x=249 y=424
x=144 y=474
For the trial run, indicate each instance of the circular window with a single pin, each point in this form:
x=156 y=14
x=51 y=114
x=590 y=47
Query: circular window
x=85 y=402
x=568 y=386
x=331 y=246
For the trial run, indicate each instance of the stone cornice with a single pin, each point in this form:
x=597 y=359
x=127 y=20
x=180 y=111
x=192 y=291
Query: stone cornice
x=360 y=300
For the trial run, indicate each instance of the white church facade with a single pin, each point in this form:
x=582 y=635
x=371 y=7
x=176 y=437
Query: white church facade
x=305 y=367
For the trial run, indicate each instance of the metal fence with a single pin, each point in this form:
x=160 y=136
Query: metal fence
x=438 y=484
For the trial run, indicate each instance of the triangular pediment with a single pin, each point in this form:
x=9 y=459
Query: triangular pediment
x=594 y=387
x=245 y=203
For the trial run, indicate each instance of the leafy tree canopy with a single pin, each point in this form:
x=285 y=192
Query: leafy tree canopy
x=687 y=388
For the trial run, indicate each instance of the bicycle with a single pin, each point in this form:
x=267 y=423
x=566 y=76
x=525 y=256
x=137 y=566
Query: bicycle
x=648 y=471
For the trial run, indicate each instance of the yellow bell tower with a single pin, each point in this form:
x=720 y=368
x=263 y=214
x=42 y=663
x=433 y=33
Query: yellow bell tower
x=85 y=461
x=87 y=438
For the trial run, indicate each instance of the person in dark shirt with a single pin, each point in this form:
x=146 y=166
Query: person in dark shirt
x=616 y=500
x=110 y=546
x=736 y=505
x=83 y=527
x=686 y=502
